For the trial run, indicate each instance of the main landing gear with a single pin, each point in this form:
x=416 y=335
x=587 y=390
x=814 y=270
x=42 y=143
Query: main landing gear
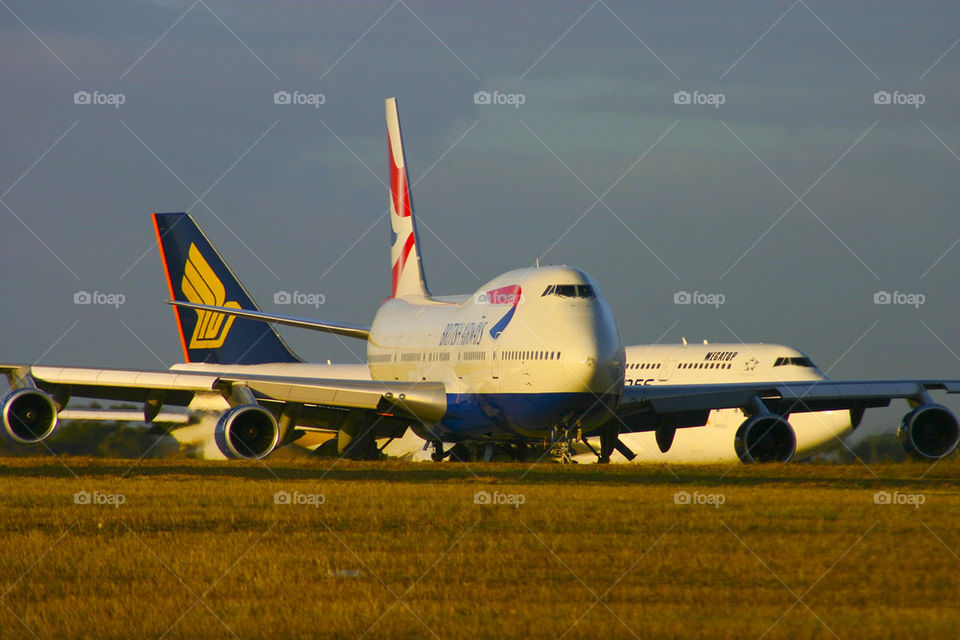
x=478 y=452
x=459 y=452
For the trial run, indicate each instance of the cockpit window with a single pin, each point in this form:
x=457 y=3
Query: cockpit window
x=797 y=362
x=570 y=291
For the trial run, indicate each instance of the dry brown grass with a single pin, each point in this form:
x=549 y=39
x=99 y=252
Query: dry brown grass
x=200 y=549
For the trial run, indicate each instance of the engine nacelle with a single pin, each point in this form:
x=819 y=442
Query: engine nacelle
x=765 y=437
x=248 y=432
x=29 y=416
x=929 y=432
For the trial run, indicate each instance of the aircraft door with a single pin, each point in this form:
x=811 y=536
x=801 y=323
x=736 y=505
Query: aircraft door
x=667 y=369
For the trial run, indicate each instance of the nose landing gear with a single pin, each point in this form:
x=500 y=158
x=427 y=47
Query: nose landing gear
x=561 y=443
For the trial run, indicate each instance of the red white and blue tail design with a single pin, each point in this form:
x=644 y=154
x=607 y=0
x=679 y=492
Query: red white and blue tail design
x=404 y=253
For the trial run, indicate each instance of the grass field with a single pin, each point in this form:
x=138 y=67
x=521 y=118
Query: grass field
x=184 y=549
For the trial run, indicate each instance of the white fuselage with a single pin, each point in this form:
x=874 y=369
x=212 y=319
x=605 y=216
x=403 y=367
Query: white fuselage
x=531 y=350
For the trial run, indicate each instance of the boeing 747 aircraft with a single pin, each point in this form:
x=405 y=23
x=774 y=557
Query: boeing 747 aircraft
x=532 y=356
x=709 y=364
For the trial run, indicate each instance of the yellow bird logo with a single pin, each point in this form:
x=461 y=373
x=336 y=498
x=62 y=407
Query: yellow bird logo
x=200 y=285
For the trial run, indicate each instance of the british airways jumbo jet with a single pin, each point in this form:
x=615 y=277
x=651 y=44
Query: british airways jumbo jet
x=533 y=356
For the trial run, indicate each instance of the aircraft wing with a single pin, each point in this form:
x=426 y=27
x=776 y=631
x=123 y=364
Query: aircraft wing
x=268 y=408
x=929 y=431
x=423 y=400
x=781 y=398
x=426 y=401
x=110 y=384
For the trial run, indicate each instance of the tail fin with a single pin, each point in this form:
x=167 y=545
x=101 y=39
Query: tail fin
x=404 y=253
x=196 y=273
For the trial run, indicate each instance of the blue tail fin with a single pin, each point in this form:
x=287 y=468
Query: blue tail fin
x=196 y=273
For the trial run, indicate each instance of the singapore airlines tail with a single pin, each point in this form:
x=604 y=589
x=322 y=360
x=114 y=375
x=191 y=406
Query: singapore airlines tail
x=408 y=280
x=196 y=273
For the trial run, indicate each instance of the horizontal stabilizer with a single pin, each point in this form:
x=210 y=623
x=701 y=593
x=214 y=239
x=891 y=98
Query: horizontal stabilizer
x=341 y=328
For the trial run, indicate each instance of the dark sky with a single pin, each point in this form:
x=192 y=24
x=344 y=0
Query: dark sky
x=797 y=198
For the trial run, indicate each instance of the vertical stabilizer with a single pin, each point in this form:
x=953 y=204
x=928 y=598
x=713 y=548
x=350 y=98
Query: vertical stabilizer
x=408 y=280
x=196 y=273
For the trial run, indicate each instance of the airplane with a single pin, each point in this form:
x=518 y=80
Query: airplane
x=534 y=356
x=712 y=363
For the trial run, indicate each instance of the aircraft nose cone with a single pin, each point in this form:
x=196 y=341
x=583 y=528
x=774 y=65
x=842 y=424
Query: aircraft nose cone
x=595 y=365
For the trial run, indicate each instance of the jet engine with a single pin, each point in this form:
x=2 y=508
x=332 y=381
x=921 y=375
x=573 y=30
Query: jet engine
x=929 y=432
x=29 y=416
x=248 y=432
x=765 y=437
